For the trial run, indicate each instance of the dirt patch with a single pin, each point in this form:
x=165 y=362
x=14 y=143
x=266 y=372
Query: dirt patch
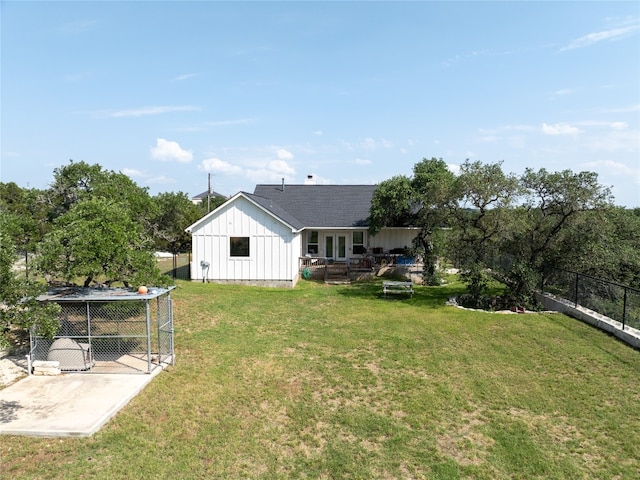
x=464 y=441
x=12 y=369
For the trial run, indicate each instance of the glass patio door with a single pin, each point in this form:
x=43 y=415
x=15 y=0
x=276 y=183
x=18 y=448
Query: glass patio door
x=335 y=247
x=342 y=248
x=328 y=246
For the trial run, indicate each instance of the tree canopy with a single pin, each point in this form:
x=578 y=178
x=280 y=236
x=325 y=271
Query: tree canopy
x=520 y=227
x=96 y=225
x=91 y=226
x=174 y=212
x=97 y=240
x=19 y=307
x=422 y=200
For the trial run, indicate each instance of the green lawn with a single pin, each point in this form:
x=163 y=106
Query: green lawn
x=337 y=382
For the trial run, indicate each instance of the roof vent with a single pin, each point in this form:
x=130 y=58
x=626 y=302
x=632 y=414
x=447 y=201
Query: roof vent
x=310 y=180
x=283 y=184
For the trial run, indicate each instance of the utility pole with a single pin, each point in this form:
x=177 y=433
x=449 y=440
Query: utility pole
x=209 y=195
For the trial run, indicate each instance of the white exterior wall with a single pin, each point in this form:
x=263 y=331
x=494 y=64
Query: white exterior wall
x=387 y=239
x=273 y=247
x=390 y=238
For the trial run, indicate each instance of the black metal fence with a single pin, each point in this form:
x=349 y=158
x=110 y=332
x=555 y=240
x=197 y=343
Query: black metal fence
x=176 y=266
x=613 y=300
x=181 y=266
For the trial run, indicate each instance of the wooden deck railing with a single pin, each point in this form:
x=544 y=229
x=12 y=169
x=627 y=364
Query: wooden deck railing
x=313 y=267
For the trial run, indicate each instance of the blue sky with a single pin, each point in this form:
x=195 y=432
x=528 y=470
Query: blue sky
x=352 y=93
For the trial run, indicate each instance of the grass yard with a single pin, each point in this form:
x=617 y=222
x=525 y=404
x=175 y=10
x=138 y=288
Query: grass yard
x=337 y=382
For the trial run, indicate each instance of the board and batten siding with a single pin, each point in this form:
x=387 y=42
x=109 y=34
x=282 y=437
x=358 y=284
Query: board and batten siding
x=273 y=246
x=390 y=238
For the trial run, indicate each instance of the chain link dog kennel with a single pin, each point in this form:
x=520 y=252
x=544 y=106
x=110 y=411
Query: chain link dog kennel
x=108 y=331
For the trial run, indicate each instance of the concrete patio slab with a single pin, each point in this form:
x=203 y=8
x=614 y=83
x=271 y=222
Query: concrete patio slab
x=68 y=405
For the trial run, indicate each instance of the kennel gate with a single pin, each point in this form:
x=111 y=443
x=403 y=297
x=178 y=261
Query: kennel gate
x=109 y=331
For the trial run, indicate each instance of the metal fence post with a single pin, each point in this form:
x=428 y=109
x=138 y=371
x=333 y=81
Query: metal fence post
x=148 y=310
x=624 y=308
x=175 y=266
x=89 y=339
x=576 y=292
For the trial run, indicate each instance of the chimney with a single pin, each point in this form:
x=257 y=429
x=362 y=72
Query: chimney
x=310 y=180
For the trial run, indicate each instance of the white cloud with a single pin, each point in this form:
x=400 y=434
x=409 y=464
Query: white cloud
x=622 y=140
x=513 y=135
x=454 y=168
x=160 y=179
x=597 y=123
x=321 y=180
x=372 y=144
x=564 y=91
x=506 y=128
x=130 y=172
x=183 y=77
x=167 y=151
x=362 y=161
x=268 y=164
x=473 y=54
x=154 y=110
x=629 y=109
x=369 y=144
x=616 y=169
x=284 y=154
x=220 y=166
x=146 y=177
x=559 y=129
x=318 y=133
x=270 y=171
x=280 y=167
x=264 y=175
x=592 y=38
x=619 y=125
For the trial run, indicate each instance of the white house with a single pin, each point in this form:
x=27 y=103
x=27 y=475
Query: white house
x=259 y=238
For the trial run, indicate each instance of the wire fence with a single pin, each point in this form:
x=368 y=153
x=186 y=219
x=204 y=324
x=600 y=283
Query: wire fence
x=613 y=300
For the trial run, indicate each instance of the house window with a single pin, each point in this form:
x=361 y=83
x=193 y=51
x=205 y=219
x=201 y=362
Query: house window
x=358 y=243
x=312 y=243
x=239 y=246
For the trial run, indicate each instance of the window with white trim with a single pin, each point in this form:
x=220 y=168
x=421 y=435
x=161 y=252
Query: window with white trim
x=312 y=243
x=358 y=243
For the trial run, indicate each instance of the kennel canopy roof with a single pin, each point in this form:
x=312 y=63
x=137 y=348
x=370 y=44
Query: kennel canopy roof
x=80 y=294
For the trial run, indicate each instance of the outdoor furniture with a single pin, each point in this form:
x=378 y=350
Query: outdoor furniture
x=397 y=287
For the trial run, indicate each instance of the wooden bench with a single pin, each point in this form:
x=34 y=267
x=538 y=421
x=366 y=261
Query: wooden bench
x=397 y=287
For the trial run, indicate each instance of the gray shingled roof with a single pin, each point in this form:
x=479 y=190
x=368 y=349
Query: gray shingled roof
x=205 y=194
x=276 y=210
x=317 y=206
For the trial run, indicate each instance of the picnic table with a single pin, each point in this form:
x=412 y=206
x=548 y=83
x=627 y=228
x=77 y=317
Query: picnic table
x=397 y=287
